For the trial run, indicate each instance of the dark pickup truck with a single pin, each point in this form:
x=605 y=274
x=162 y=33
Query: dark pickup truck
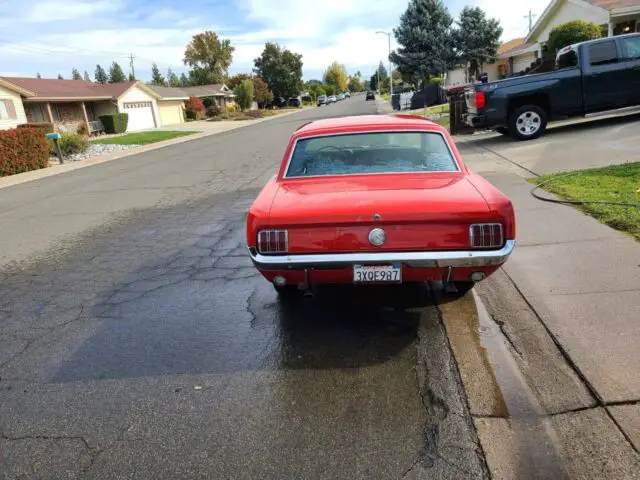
x=590 y=77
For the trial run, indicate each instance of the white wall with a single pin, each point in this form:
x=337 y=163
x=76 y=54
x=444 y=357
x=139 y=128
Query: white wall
x=491 y=69
x=136 y=94
x=455 y=77
x=568 y=11
x=6 y=124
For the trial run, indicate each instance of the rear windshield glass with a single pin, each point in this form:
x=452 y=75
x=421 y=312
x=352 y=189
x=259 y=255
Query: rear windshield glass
x=370 y=153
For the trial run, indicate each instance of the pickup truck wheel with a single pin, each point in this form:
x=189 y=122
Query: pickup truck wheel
x=502 y=130
x=527 y=122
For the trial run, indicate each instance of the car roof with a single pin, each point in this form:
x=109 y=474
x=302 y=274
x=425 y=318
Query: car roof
x=360 y=122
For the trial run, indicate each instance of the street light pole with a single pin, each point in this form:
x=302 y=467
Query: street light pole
x=388 y=34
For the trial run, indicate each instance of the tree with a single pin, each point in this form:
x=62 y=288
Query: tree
x=75 y=74
x=244 y=94
x=281 y=69
x=38 y=75
x=329 y=89
x=572 y=32
x=382 y=72
x=172 y=78
x=425 y=40
x=131 y=77
x=207 y=53
x=261 y=92
x=156 y=76
x=202 y=76
x=236 y=80
x=60 y=77
x=396 y=76
x=116 y=75
x=86 y=76
x=476 y=40
x=354 y=84
x=100 y=75
x=184 y=81
x=336 y=75
x=373 y=82
x=195 y=104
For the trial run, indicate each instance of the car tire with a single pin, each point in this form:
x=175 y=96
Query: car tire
x=527 y=122
x=502 y=130
x=463 y=287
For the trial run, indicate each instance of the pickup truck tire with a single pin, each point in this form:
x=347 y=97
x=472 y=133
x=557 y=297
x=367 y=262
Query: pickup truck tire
x=527 y=122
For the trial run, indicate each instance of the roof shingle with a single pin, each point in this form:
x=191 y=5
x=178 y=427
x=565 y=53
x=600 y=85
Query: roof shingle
x=613 y=4
x=69 y=89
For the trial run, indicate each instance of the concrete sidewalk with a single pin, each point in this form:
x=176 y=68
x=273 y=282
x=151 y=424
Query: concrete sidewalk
x=582 y=279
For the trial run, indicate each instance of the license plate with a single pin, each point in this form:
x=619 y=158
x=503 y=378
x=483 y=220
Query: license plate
x=377 y=274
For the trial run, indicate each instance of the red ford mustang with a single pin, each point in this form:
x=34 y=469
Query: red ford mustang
x=377 y=199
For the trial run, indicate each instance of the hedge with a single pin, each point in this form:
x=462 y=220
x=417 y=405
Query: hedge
x=116 y=123
x=46 y=127
x=21 y=150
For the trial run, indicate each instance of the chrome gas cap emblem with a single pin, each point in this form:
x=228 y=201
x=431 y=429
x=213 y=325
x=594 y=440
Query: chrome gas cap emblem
x=377 y=237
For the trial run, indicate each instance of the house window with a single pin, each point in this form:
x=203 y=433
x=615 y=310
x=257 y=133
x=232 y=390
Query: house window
x=7 y=110
x=91 y=113
x=624 y=27
x=55 y=113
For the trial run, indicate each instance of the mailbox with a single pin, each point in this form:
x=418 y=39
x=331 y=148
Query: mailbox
x=53 y=136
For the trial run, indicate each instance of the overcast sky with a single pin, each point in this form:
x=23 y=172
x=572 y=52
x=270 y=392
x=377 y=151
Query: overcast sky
x=51 y=37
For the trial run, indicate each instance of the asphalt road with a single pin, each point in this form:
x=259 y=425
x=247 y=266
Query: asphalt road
x=137 y=341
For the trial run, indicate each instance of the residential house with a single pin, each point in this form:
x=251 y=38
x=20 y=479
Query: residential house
x=616 y=17
x=219 y=92
x=69 y=103
x=170 y=104
x=11 y=109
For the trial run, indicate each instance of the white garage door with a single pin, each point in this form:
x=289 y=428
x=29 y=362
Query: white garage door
x=140 y=115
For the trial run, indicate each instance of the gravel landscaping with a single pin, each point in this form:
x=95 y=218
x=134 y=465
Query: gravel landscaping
x=94 y=150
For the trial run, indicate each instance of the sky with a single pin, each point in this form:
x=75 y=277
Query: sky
x=54 y=36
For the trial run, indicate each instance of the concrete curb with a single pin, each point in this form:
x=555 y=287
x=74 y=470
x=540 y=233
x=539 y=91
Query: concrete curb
x=69 y=167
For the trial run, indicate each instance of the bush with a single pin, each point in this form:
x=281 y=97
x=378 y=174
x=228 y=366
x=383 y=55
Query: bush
x=116 y=123
x=22 y=150
x=190 y=114
x=572 y=32
x=212 y=111
x=195 y=104
x=437 y=80
x=46 y=127
x=231 y=108
x=83 y=130
x=72 y=143
x=244 y=94
x=208 y=101
x=255 y=113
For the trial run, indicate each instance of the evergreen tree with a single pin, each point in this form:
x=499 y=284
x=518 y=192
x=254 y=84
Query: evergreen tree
x=60 y=77
x=116 y=75
x=87 y=78
x=184 y=81
x=38 y=75
x=100 y=75
x=75 y=74
x=156 y=76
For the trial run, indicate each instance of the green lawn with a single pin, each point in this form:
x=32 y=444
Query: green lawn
x=619 y=183
x=142 y=138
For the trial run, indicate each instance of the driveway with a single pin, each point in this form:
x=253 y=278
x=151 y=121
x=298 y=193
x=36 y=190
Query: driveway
x=568 y=146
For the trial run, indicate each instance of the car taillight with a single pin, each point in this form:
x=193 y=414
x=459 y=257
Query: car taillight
x=273 y=241
x=480 y=100
x=486 y=235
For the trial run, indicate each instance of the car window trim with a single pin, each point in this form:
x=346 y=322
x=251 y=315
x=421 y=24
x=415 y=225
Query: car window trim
x=444 y=138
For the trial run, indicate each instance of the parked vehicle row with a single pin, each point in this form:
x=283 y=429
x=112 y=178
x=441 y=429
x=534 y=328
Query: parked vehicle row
x=590 y=78
x=328 y=100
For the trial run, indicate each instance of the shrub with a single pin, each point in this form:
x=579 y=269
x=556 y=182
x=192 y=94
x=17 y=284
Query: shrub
x=83 y=129
x=244 y=94
x=255 y=114
x=572 y=32
x=71 y=143
x=22 y=150
x=437 y=80
x=212 y=111
x=208 y=101
x=190 y=114
x=116 y=123
x=231 y=108
x=46 y=127
x=195 y=104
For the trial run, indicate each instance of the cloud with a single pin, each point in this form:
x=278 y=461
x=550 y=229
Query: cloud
x=49 y=11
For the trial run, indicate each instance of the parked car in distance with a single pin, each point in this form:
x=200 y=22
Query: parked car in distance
x=294 y=102
x=332 y=99
x=370 y=95
x=340 y=96
x=590 y=78
x=322 y=100
x=377 y=199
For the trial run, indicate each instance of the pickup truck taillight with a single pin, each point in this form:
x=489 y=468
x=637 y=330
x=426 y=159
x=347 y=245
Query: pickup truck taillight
x=486 y=235
x=273 y=241
x=480 y=100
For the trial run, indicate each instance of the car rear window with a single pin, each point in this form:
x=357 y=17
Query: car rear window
x=371 y=153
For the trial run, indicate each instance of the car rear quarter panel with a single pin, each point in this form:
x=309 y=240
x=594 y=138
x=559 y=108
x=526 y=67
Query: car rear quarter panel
x=258 y=215
x=498 y=203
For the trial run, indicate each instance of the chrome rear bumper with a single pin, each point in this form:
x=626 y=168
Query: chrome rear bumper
x=464 y=258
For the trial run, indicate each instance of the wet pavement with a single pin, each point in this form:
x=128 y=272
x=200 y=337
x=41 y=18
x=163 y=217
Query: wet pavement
x=149 y=347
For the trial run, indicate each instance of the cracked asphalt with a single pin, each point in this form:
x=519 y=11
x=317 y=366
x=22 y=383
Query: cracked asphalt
x=137 y=340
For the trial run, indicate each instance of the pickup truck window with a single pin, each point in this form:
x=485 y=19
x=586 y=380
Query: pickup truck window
x=568 y=59
x=603 y=53
x=631 y=47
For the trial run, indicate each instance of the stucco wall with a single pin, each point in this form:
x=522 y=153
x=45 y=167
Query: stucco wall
x=171 y=112
x=568 y=11
x=6 y=94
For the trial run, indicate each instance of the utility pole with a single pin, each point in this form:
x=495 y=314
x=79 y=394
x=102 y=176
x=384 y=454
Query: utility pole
x=388 y=34
x=530 y=17
x=133 y=70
